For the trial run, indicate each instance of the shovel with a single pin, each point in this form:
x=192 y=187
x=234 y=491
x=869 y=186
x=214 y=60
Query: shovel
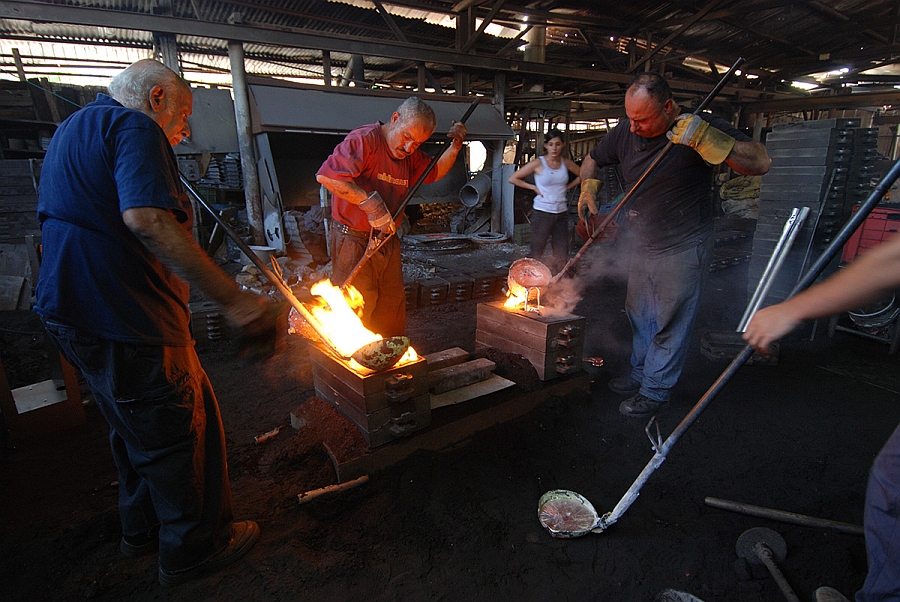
x=377 y=355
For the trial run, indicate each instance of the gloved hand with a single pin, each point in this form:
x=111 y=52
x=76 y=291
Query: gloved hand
x=710 y=143
x=587 y=200
x=378 y=214
x=263 y=336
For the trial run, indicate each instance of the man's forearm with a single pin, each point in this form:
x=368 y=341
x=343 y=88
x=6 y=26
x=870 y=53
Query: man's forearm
x=868 y=277
x=346 y=190
x=447 y=159
x=162 y=235
x=588 y=168
x=748 y=158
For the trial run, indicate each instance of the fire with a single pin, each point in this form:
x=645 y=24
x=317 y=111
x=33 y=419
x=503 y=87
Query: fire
x=518 y=297
x=515 y=299
x=340 y=322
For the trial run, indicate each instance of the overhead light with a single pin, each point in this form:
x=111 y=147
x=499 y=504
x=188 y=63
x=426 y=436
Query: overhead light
x=804 y=85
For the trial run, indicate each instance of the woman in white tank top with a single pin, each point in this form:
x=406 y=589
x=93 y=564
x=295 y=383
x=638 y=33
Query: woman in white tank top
x=549 y=219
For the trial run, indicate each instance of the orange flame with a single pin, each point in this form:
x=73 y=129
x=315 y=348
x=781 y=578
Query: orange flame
x=337 y=314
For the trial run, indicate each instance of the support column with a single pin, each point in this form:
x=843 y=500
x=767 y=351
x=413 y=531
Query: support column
x=245 y=142
x=497 y=156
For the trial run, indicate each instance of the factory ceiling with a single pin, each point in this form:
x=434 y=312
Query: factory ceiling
x=572 y=55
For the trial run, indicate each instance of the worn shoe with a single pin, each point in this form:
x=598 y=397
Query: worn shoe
x=243 y=535
x=624 y=385
x=674 y=595
x=829 y=594
x=639 y=406
x=135 y=546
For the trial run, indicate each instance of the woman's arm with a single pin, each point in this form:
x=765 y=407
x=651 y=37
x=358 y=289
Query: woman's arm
x=575 y=169
x=523 y=172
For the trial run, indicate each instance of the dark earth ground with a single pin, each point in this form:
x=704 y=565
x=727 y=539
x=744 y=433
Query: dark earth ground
x=461 y=523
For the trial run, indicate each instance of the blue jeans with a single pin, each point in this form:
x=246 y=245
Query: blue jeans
x=555 y=228
x=167 y=441
x=661 y=302
x=882 y=525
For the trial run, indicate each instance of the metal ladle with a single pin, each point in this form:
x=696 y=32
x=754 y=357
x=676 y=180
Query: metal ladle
x=528 y=275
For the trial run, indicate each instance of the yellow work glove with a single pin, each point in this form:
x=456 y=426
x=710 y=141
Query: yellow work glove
x=710 y=143
x=587 y=200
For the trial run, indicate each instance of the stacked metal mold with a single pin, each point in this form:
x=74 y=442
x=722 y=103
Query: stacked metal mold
x=825 y=165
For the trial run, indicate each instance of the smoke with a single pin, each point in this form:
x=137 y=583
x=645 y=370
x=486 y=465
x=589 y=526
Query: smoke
x=561 y=297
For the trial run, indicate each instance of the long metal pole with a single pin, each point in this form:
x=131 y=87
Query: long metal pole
x=640 y=180
x=286 y=292
x=252 y=197
x=791 y=229
x=827 y=255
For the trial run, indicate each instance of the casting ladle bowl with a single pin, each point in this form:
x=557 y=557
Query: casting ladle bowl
x=527 y=275
x=382 y=354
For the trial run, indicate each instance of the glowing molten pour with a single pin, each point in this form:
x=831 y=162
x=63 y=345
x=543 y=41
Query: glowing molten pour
x=340 y=322
x=526 y=277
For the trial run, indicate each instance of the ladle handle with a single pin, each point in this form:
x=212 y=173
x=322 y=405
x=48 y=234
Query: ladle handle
x=665 y=151
x=262 y=267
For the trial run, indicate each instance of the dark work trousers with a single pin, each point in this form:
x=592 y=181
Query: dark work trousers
x=379 y=281
x=167 y=442
x=881 y=519
x=555 y=228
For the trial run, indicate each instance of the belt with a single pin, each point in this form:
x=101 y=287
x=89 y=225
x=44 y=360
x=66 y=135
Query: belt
x=345 y=229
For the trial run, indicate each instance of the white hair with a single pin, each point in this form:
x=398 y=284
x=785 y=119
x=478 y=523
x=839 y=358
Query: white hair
x=132 y=86
x=414 y=108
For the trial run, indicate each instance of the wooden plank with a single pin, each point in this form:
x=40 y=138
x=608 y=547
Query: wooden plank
x=447 y=357
x=460 y=375
x=490 y=385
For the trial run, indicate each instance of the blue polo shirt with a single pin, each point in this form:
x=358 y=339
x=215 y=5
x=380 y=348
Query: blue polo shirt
x=95 y=275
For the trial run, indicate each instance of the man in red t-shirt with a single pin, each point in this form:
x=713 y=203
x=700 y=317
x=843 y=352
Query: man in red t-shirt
x=369 y=175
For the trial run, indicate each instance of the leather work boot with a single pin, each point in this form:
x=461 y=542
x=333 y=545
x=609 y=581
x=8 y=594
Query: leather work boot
x=243 y=535
x=638 y=406
x=829 y=594
x=135 y=546
x=624 y=385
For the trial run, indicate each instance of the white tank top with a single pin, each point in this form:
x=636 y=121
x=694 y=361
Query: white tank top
x=552 y=184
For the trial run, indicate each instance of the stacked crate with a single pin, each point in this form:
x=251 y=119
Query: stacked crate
x=826 y=165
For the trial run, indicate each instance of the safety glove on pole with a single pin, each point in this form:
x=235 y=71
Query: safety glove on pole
x=587 y=200
x=377 y=213
x=710 y=143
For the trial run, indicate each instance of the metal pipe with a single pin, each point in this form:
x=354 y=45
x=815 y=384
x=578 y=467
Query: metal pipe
x=640 y=180
x=781 y=515
x=791 y=229
x=252 y=197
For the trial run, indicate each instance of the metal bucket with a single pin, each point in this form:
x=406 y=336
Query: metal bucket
x=877 y=315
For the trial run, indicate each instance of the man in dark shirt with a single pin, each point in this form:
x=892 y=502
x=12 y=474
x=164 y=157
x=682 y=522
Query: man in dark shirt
x=370 y=173
x=671 y=215
x=118 y=257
